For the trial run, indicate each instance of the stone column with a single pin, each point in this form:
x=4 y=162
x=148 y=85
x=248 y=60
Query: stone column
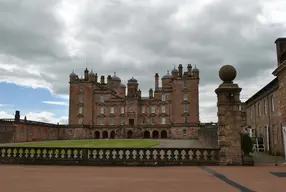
x=229 y=117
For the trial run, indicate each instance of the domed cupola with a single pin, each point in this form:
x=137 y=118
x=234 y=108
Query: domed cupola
x=195 y=70
x=167 y=76
x=175 y=70
x=115 y=78
x=122 y=85
x=73 y=74
x=132 y=80
x=91 y=72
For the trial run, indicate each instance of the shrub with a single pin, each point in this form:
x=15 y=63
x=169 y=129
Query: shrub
x=246 y=144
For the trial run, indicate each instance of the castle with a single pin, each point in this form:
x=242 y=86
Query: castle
x=114 y=110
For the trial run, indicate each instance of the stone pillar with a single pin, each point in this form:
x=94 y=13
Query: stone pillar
x=229 y=117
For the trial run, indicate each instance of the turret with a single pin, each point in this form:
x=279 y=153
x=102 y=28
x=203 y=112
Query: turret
x=109 y=80
x=166 y=79
x=196 y=73
x=132 y=86
x=281 y=50
x=17 y=116
x=95 y=77
x=73 y=76
x=91 y=76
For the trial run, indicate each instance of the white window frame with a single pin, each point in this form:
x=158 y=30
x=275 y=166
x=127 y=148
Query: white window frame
x=186 y=107
x=122 y=121
x=153 y=110
x=163 y=109
x=112 y=110
x=143 y=109
x=265 y=106
x=111 y=121
x=101 y=110
x=101 y=121
x=80 y=110
x=122 y=110
x=163 y=121
x=185 y=97
x=163 y=97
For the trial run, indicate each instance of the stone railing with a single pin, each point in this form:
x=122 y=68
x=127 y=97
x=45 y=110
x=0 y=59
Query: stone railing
x=109 y=156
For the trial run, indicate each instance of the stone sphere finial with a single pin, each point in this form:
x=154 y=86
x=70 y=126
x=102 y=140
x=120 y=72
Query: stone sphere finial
x=227 y=73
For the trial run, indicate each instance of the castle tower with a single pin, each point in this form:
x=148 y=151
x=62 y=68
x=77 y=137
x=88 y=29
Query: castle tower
x=132 y=87
x=229 y=117
x=86 y=74
x=175 y=73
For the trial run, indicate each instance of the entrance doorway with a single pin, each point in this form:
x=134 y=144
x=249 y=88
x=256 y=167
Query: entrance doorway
x=131 y=122
x=96 y=135
x=112 y=135
x=129 y=134
x=146 y=134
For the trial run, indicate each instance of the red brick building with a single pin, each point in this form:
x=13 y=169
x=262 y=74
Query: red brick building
x=114 y=110
x=266 y=109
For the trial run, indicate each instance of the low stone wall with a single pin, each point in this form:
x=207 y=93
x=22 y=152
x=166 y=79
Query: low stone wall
x=208 y=136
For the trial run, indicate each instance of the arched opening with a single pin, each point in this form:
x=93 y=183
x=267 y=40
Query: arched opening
x=129 y=134
x=164 y=134
x=112 y=135
x=146 y=134
x=96 y=135
x=105 y=135
x=155 y=135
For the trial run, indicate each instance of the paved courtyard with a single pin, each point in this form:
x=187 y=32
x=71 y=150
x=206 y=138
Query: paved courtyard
x=15 y=178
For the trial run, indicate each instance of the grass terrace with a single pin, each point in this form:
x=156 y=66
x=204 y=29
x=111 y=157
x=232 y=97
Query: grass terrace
x=137 y=143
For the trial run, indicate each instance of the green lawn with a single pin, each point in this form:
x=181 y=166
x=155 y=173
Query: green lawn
x=92 y=144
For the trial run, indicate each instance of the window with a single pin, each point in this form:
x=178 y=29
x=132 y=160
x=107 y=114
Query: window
x=31 y=131
x=250 y=113
x=186 y=120
x=112 y=110
x=153 y=109
x=80 y=99
x=81 y=88
x=185 y=132
x=143 y=109
x=259 y=109
x=44 y=132
x=80 y=121
x=121 y=121
x=39 y=131
x=163 y=109
x=53 y=134
x=101 y=110
x=265 y=106
x=272 y=103
x=111 y=121
x=239 y=107
x=163 y=120
x=163 y=97
x=185 y=84
x=80 y=110
x=186 y=108
x=101 y=121
x=131 y=108
x=122 y=110
x=22 y=131
x=185 y=97
x=101 y=98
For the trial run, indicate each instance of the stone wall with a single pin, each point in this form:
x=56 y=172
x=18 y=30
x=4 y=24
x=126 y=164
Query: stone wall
x=208 y=136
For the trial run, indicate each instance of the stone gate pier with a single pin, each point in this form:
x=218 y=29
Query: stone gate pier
x=229 y=117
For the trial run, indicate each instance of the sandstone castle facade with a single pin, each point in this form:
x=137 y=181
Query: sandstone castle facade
x=114 y=110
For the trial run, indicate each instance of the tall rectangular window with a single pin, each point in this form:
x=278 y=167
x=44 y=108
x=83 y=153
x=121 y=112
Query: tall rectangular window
x=80 y=110
x=131 y=108
x=250 y=110
x=153 y=109
x=186 y=108
x=101 y=110
x=143 y=109
x=163 y=97
x=111 y=121
x=101 y=121
x=80 y=121
x=81 y=88
x=163 y=120
x=39 y=131
x=259 y=109
x=186 y=120
x=265 y=106
x=122 y=110
x=80 y=98
x=122 y=121
x=112 y=110
x=185 y=97
x=272 y=103
x=101 y=98
x=163 y=109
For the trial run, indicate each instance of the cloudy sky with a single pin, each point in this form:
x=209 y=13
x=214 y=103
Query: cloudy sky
x=42 y=41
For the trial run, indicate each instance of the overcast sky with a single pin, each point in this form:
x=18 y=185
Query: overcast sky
x=42 y=41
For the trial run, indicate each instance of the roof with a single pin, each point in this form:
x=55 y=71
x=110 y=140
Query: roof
x=267 y=89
